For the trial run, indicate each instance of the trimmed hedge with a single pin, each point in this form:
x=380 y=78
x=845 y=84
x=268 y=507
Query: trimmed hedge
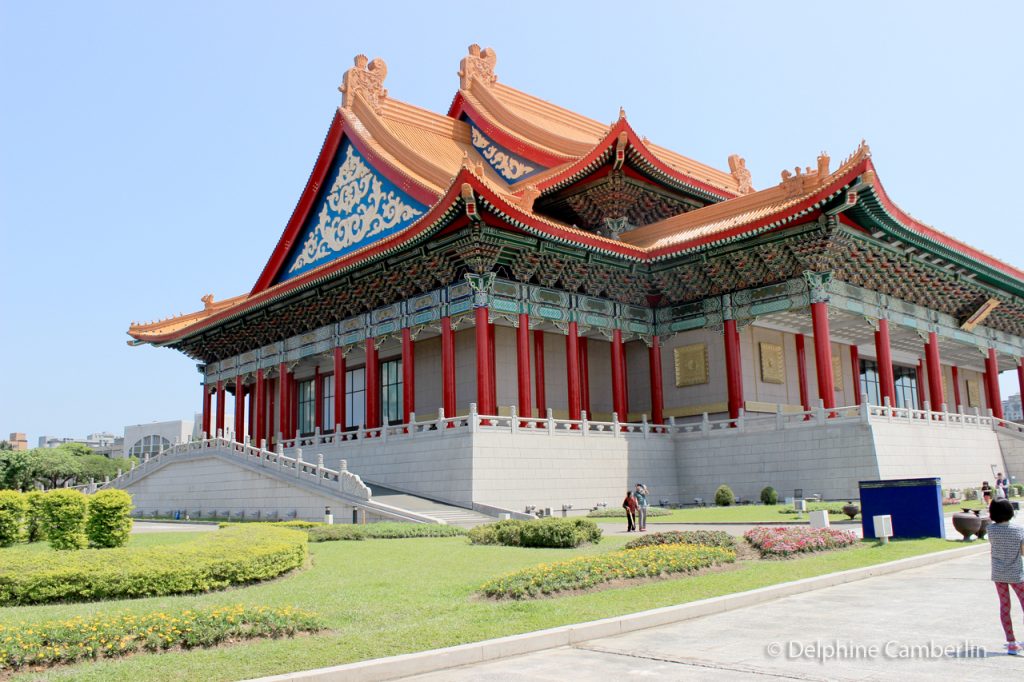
x=111 y=635
x=769 y=495
x=549 y=532
x=213 y=561
x=296 y=524
x=64 y=514
x=707 y=538
x=620 y=513
x=386 y=530
x=110 y=518
x=12 y=516
x=588 y=571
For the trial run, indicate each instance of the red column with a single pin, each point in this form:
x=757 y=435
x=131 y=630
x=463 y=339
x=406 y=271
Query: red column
x=1020 y=376
x=823 y=353
x=618 y=383
x=493 y=367
x=250 y=393
x=282 y=400
x=992 y=377
x=584 y=347
x=318 y=399
x=523 y=365
x=572 y=370
x=372 y=385
x=931 y=351
x=855 y=372
x=293 y=406
x=258 y=408
x=484 y=391
x=220 y=408
x=239 y=410
x=339 y=388
x=408 y=375
x=447 y=367
x=801 y=372
x=883 y=352
x=956 y=388
x=625 y=384
x=657 y=396
x=734 y=369
x=269 y=392
x=206 y=410
x=538 y=363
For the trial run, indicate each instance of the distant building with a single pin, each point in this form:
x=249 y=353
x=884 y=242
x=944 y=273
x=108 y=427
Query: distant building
x=1012 y=409
x=149 y=439
x=103 y=442
x=18 y=441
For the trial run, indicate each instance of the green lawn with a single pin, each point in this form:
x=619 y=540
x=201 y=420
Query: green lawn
x=385 y=597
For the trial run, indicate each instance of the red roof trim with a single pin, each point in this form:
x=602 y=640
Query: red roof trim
x=513 y=144
x=944 y=239
x=304 y=205
x=767 y=220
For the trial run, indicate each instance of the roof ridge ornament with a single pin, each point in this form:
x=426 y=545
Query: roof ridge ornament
x=365 y=78
x=738 y=169
x=478 y=64
x=805 y=180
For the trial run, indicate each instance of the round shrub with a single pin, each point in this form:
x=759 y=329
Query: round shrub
x=550 y=532
x=724 y=496
x=769 y=496
x=12 y=515
x=110 y=518
x=34 y=516
x=64 y=513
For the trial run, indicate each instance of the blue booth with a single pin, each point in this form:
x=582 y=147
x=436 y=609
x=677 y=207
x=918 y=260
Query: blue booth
x=915 y=505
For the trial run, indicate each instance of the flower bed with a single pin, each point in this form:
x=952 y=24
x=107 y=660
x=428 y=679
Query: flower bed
x=108 y=636
x=212 y=561
x=708 y=538
x=783 y=541
x=383 y=530
x=549 y=532
x=588 y=571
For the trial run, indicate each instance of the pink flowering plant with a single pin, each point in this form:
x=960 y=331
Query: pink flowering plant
x=785 y=541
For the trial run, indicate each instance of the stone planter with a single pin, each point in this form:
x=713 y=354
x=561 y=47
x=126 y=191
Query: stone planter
x=851 y=510
x=966 y=524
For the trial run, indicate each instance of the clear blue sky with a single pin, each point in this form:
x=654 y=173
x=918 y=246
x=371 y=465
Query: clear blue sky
x=151 y=152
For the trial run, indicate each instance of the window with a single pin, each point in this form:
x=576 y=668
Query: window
x=355 y=398
x=327 y=406
x=149 y=445
x=307 y=407
x=905 y=379
x=391 y=391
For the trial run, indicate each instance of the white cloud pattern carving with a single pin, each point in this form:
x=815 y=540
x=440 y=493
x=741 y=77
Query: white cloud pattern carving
x=356 y=209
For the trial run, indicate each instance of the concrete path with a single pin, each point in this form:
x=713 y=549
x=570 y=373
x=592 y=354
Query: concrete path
x=922 y=624
x=165 y=527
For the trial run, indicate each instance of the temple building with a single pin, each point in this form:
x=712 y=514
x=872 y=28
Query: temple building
x=510 y=306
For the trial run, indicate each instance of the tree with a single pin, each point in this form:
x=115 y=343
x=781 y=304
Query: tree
x=97 y=467
x=17 y=469
x=6 y=445
x=55 y=467
x=77 y=449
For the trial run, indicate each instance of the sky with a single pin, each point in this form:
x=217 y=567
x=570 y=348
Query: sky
x=151 y=153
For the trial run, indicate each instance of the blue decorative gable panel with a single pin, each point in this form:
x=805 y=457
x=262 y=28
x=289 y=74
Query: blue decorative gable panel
x=511 y=167
x=357 y=207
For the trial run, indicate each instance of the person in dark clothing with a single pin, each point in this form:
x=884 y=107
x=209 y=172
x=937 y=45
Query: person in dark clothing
x=629 y=504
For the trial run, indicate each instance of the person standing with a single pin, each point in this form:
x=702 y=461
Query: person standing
x=640 y=493
x=629 y=504
x=1007 y=542
x=986 y=493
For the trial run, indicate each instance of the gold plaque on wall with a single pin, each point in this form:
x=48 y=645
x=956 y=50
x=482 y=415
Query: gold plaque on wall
x=773 y=368
x=837 y=372
x=691 y=364
x=973 y=398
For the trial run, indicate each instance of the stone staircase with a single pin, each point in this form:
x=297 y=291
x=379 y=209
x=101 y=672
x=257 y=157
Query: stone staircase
x=449 y=513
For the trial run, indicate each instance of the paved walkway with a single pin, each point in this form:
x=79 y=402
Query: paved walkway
x=921 y=624
x=165 y=527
